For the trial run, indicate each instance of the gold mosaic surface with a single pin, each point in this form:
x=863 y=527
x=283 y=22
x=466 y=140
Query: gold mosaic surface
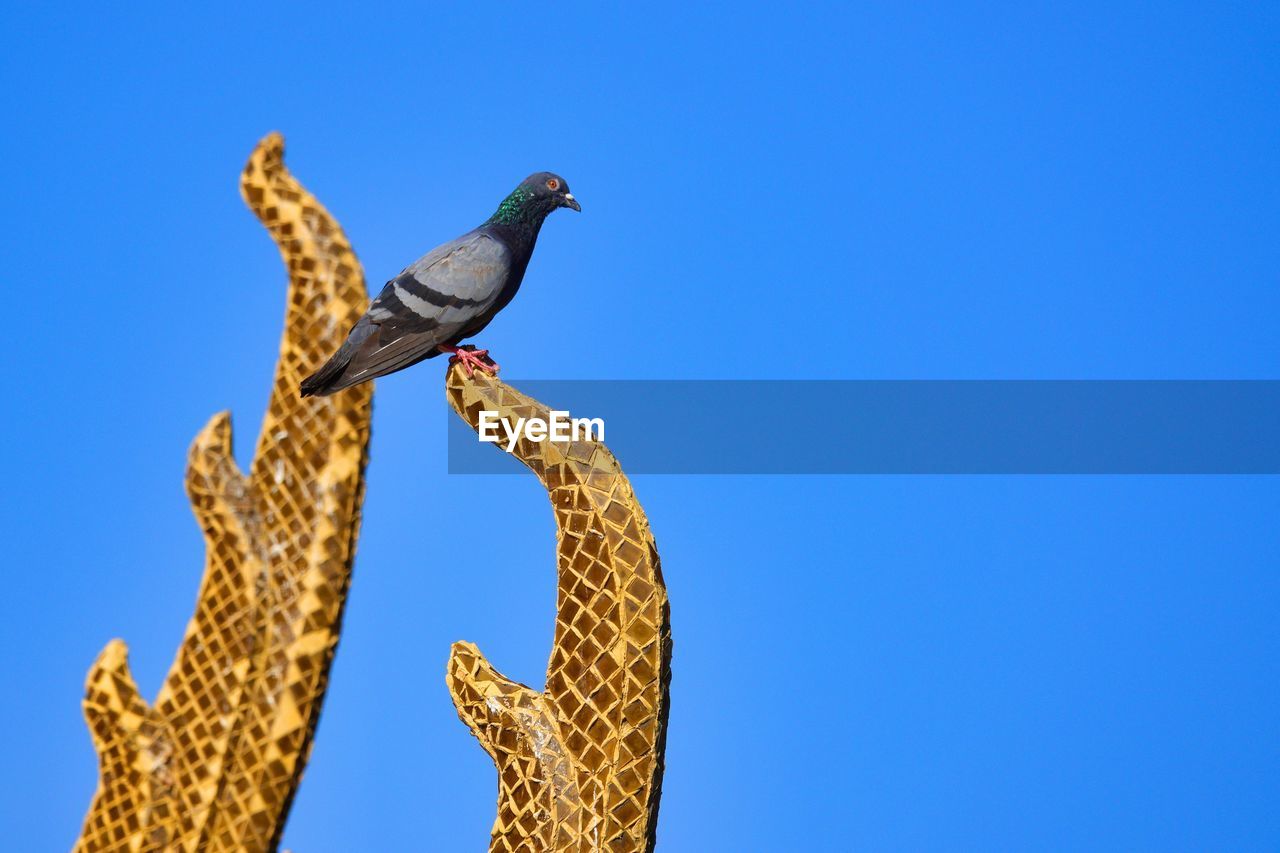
x=579 y=765
x=213 y=765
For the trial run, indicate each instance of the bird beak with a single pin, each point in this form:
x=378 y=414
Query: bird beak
x=571 y=202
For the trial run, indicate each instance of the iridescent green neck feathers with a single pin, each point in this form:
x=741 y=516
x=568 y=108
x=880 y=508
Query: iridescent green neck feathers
x=514 y=208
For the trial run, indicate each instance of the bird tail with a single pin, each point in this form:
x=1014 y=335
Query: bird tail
x=324 y=381
x=332 y=377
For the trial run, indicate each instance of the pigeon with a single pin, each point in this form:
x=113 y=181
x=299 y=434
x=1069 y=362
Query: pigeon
x=449 y=294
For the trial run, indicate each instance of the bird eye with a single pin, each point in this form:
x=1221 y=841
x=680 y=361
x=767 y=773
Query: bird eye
x=553 y=185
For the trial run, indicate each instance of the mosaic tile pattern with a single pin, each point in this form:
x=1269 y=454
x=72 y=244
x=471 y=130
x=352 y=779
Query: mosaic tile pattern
x=213 y=765
x=580 y=764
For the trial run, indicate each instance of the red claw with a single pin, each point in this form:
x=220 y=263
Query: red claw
x=471 y=359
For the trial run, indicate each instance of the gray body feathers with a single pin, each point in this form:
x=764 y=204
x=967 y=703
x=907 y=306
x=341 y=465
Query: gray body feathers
x=449 y=294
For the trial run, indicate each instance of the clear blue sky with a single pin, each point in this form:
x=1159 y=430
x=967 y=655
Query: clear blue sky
x=1010 y=190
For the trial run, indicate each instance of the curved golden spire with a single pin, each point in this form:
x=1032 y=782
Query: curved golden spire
x=580 y=764
x=213 y=765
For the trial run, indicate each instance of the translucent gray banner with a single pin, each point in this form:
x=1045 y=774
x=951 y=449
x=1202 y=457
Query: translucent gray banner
x=912 y=427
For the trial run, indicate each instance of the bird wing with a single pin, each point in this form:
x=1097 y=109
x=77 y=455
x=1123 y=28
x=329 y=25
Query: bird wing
x=432 y=302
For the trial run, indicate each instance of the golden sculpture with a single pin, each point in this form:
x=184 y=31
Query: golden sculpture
x=213 y=765
x=580 y=765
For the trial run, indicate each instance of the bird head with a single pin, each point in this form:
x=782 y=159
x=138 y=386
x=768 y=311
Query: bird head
x=537 y=195
x=550 y=191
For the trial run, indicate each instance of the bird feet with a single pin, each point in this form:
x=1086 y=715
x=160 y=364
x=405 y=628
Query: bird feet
x=472 y=359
